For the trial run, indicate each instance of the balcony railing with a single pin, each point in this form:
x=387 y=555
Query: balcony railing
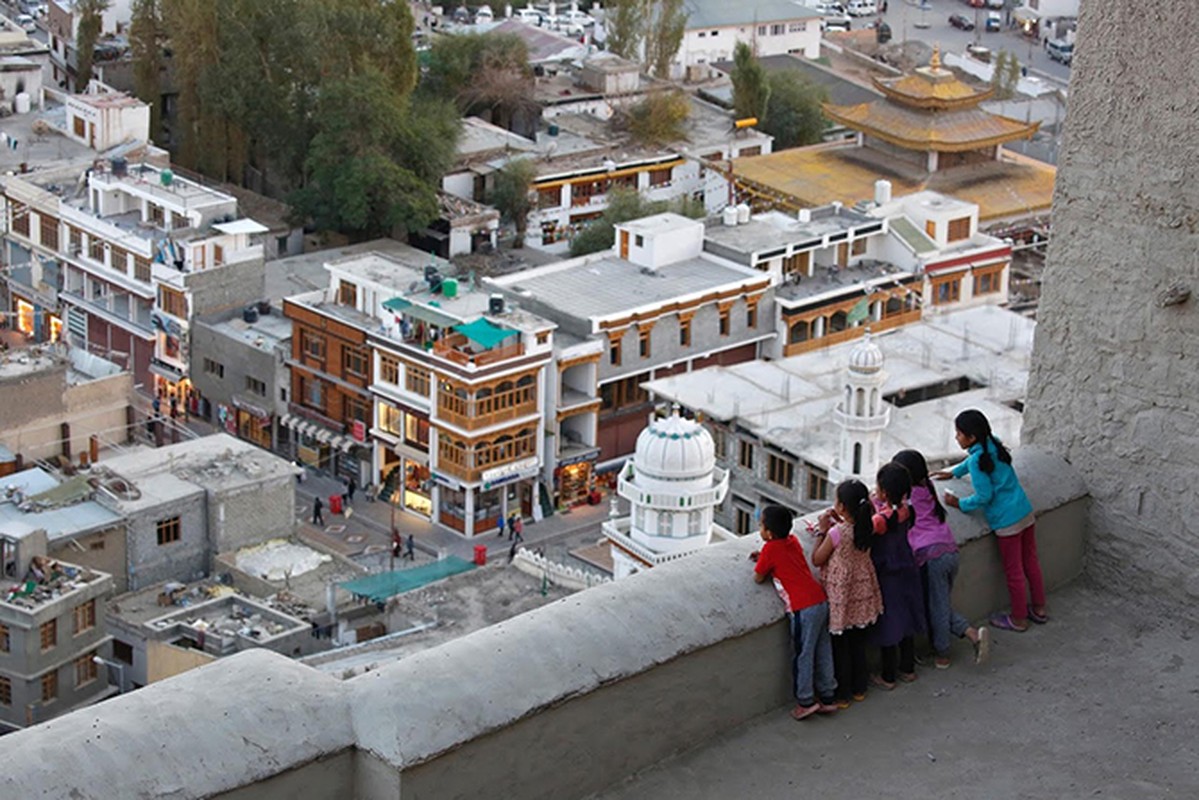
x=456 y=348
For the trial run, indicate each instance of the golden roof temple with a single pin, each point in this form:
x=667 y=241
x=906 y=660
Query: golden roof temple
x=927 y=131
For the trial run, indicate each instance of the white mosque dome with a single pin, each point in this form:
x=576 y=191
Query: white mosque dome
x=866 y=356
x=675 y=448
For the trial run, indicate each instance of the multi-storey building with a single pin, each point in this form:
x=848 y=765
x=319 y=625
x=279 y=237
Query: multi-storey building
x=53 y=637
x=655 y=305
x=419 y=382
x=122 y=255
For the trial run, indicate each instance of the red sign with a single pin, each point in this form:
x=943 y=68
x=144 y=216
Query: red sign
x=359 y=431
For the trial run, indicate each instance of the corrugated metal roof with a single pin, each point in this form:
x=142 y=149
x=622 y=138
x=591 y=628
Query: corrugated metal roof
x=722 y=13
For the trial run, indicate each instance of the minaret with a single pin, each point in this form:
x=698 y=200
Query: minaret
x=862 y=414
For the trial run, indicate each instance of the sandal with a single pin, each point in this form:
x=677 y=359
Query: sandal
x=982 y=648
x=877 y=680
x=1004 y=623
x=1040 y=619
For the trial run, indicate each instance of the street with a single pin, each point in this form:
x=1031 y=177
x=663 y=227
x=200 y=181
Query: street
x=910 y=23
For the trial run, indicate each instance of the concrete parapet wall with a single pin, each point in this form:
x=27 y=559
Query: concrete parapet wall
x=556 y=703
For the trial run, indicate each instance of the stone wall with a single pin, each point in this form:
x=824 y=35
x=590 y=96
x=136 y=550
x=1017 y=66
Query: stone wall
x=1114 y=381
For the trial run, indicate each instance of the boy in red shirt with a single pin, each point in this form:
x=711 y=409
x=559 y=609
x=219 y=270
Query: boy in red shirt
x=782 y=559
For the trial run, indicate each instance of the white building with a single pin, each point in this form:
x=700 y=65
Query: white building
x=673 y=486
x=101 y=117
x=769 y=27
x=862 y=415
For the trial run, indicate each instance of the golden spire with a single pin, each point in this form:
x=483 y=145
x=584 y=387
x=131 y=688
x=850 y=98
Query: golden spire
x=935 y=62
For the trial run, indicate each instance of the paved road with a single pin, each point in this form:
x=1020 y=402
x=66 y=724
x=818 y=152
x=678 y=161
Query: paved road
x=906 y=19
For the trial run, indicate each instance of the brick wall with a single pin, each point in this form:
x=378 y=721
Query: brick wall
x=1114 y=380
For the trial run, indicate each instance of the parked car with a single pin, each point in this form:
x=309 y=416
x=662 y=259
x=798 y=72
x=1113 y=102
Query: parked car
x=484 y=14
x=1060 y=50
x=26 y=23
x=575 y=17
x=961 y=22
x=994 y=3
x=529 y=16
x=862 y=8
x=994 y=21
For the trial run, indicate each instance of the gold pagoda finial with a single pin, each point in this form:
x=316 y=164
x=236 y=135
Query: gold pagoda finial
x=935 y=61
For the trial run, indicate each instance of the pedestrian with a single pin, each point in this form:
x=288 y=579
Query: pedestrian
x=1001 y=498
x=844 y=536
x=884 y=6
x=410 y=548
x=396 y=542
x=512 y=553
x=499 y=527
x=511 y=526
x=174 y=407
x=518 y=527
x=898 y=578
x=156 y=405
x=782 y=560
x=150 y=425
x=936 y=553
x=318 y=508
x=351 y=486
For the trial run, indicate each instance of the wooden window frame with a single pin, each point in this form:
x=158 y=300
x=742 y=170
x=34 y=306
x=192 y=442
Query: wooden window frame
x=5 y=692
x=172 y=301
x=684 y=333
x=48 y=633
x=958 y=229
x=313 y=345
x=417 y=379
x=614 y=352
x=389 y=369
x=780 y=471
x=49 y=687
x=726 y=323
x=84 y=617
x=644 y=345
x=169 y=530
x=745 y=454
x=255 y=386
x=86 y=670
x=954 y=293
x=347 y=293
x=355 y=361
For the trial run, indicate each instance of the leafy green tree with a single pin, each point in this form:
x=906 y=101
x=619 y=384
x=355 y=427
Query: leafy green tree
x=659 y=119
x=793 y=110
x=369 y=165
x=510 y=196
x=487 y=75
x=1005 y=75
x=145 y=44
x=626 y=21
x=668 y=21
x=86 y=35
x=625 y=205
x=751 y=86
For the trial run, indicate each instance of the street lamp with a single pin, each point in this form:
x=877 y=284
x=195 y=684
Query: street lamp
x=120 y=668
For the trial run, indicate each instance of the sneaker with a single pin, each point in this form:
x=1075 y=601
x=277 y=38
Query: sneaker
x=982 y=648
x=844 y=704
x=941 y=662
x=827 y=708
x=803 y=712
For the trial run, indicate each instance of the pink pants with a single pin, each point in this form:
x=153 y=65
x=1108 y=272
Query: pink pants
x=1019 y=554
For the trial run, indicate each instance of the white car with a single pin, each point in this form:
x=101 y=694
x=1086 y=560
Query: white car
x=26 y=23
x=573 y=16
x=862 y=8
x=484 y=14
x=529 y=16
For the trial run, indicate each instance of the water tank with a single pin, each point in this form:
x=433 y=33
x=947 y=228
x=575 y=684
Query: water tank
x=264 y=307
x=743 y=213
x=882 y=192
x=729 y=216
x=120 y=167
x=22 y=103
x=805 y=215
x=166 y=177
x=553 y=129
x=495 y=304
x=449 y=287
x=250 y=314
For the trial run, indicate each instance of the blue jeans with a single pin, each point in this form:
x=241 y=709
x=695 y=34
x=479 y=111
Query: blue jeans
x=938 y=586
x=812 y=667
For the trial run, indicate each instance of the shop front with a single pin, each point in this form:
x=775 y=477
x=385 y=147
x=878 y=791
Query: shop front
x=574 y=479
x=477 y=510
x=253 y=423
x=410 y=480
x=38 y=324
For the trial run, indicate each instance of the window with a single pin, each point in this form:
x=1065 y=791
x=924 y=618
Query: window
x=122 y=651
x=49 y=231
x=354 y=361
x=817 y=485
x=858 y=248
x=948 y=291
x=543 y=337
x=762 y=30
x=987 y=282
x=313 y=392
x=50 y=686
x=549 y=198
x=416 y=380
x=724 y=322
x=312 y=345
x=75 y=240
x=85 y=617
x=930 y=227
x=49 y=634
x=5 y=692
x=719 y=440
x=659 y=177
x=214 y=368
x=168 y=530
x=356 y=411
x=141 y=269
x=20 y=219
x=416 y=431
x=255 y=386
x=781 y=471
x=624 y=393
x=743 y=520
x=685 y=332
x=347 y=294
x=118 y=260
x=746 y=152
x=614 y=352
x=797 y=27
x=778 y=29
x=77 y=123
x=958 y=229
x=643 y=345
x=390 y=419
x=389 y=370
x=85 y=669
x=172 y=301
x=745 y=456
x=751 y=315
x=639 y=241
x=4 y=644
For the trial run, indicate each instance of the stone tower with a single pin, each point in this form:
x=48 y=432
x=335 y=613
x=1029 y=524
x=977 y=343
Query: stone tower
x=673 y=486
x=862 y=415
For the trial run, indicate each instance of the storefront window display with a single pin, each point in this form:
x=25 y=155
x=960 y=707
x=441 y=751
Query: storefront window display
x=416 y=495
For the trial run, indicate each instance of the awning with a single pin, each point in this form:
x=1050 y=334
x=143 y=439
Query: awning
x=484 y=332
x=246 y=225
x=1025 y=14
x=424 y=313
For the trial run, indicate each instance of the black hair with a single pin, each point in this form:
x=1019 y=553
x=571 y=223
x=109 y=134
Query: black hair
x=855 y=497
x=973 y=423
x=913 y=461
x=896 y=484
x=777 y=520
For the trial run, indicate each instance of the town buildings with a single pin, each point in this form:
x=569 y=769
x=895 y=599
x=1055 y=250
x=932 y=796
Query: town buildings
x=62 y=26
x=769 y=27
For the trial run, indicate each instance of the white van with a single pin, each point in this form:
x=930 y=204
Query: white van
x=529 y=16
x=862 y=8
x=484 y=14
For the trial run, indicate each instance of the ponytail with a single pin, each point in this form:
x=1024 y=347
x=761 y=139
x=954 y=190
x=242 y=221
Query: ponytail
x=917 y=467
x=853 y=495
x=974 y=424
x=895 y=484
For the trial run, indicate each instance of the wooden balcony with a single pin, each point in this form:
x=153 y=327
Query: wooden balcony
x=458 y=349
x=837 y=337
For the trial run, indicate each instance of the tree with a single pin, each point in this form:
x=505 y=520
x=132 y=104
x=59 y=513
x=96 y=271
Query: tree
x=668 y=21
x=486 y=75
x=368 y=167
x=86 y=35
x=511 y=194
x=751 y=86
x=793 y=111
x=145 y=44
x=625 y=205
x=659 y=119
x=1005 y=75
x=625 y=21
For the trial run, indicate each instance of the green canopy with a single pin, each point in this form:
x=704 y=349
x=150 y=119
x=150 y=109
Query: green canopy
x=421 y=312
x=383 y=585
x=484 y=333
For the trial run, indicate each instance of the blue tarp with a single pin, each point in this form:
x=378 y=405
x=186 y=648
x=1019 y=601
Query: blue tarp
x=378 y=588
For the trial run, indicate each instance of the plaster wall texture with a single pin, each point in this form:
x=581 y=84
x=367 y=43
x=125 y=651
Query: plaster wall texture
x=587 y=691
x=103 y=551
x=251 y=514
x=241 y=360
x=228 y=287
x=1114 y=384
x=184 y=560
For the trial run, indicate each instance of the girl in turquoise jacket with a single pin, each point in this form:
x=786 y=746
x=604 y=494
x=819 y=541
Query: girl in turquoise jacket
x=1001 y=498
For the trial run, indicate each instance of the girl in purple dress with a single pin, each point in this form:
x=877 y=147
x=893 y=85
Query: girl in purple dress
x=898 y=578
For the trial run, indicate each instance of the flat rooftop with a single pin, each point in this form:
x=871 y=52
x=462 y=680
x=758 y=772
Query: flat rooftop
x=774 y=229
x=294 y=275
x=61 y=580
x=269 y=331
x=34 y=499
x=603 y=285
x=789 y=403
